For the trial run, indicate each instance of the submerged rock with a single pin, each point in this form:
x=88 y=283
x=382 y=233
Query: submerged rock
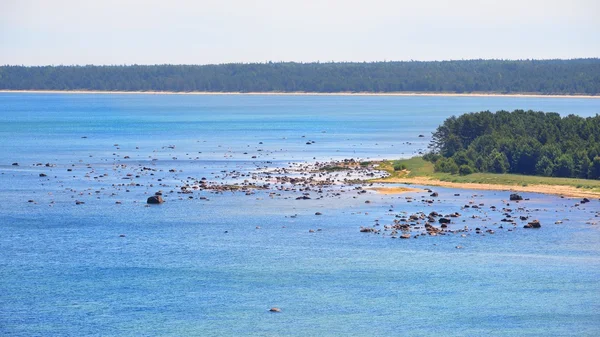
x=155 y=199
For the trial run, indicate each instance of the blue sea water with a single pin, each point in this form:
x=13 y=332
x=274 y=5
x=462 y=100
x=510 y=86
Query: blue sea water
x=214 y=266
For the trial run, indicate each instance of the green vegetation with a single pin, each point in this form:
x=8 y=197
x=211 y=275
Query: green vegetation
x=577 y=76
x=414 y=167
x=399 y=167
x=519 y=142
x=334 y=168
x=419 y=167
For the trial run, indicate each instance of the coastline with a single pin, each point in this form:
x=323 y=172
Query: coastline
x=566 y=191
x=561 y=190
x=426 y=94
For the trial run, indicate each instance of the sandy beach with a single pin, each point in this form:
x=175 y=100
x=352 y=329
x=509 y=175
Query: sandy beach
x=393 y=190
x=566 y=191
x=482 y=94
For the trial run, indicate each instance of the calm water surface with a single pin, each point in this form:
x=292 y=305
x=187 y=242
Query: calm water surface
x=200 y=267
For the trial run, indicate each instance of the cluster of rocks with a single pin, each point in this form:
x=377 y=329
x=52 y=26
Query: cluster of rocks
x=298 y=181
x=419 y=223
x=422 y=224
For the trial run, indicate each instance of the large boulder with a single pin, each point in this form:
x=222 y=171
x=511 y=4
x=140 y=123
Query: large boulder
x=515 y=197
x=533 y=224
x=155 y=199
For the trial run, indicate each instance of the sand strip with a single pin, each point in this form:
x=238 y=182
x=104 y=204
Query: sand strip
x=394 y=190
x=567 y=191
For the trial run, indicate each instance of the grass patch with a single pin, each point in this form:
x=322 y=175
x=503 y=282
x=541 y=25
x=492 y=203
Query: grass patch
x=418 y=167
x=415 y=167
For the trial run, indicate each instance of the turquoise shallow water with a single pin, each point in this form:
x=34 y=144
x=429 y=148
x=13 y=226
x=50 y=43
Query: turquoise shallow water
x=202 y=268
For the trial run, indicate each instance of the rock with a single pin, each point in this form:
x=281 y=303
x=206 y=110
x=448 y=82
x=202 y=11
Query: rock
x=533 y=224
x=155 y=199
x=421 y=136
x=275 y=309
x=444 y=220
x=515 y=197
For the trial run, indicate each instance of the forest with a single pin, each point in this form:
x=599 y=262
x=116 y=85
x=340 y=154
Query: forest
x=576 y=76
x=521 y=142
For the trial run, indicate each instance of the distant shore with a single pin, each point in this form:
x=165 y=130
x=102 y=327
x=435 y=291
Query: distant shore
x=482 y=94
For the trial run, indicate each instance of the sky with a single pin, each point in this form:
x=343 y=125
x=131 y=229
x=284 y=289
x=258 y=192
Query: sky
x=69 y=32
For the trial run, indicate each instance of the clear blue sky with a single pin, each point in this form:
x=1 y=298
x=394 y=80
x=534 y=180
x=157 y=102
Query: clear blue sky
x=40 y=32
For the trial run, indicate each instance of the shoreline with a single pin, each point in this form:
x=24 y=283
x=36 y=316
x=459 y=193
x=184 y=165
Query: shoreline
x=560 y=190
x=413 y=94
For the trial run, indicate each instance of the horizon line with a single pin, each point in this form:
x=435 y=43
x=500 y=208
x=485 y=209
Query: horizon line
x=298 y=62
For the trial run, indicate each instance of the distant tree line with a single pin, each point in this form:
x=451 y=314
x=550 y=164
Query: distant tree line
x=522 y=142
x=577 y=76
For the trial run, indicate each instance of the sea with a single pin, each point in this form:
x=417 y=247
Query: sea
x=82 y=254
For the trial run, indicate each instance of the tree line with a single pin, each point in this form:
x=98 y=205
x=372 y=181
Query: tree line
x=522 y=142
x=576 y=76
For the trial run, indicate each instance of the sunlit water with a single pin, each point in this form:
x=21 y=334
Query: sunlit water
x=202 y=267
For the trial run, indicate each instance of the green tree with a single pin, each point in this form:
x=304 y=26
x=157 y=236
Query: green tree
x=465 y=170
x=446 y=165
x=544 y=167
x=564 y=166
x=498 y=163
x=594 y=172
